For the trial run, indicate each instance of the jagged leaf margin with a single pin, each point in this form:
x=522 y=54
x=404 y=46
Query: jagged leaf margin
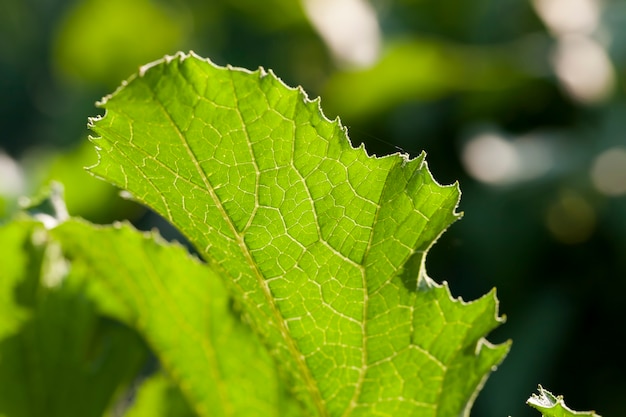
x=554 y=406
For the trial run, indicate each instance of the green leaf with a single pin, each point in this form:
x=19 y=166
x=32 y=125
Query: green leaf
x=554 y=406
x=322 y=245
x=183 y=311
x=58 y=357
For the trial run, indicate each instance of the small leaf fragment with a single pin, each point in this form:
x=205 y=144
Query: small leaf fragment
x=554 y=406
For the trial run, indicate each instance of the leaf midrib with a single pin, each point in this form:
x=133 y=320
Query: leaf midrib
x=284 y=331
x=239 y=238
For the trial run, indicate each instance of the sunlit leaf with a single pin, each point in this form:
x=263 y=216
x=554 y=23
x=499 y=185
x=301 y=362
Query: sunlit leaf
x=322 y=245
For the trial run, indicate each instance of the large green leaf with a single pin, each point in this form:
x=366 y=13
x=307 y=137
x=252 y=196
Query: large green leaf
x=322 y=245
x=554 y=406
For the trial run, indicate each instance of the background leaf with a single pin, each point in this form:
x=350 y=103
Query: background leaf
x=321 y=244
x=58 y=356
x=186 y=317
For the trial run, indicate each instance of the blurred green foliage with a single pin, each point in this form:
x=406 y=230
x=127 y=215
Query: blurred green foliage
x=548 y=233
x=100 y=42
x=86 y=361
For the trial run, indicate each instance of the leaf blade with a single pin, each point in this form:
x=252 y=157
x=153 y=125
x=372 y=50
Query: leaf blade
x=316 y=239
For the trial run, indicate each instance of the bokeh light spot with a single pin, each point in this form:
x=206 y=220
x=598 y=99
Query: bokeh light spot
x=12 y=180
x=569 y=16
x=570 y=218
x=349 y=28
x=491 y=159
x=583 y=68
x=608 y=172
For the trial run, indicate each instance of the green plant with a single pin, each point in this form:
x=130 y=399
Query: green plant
x=312 y=297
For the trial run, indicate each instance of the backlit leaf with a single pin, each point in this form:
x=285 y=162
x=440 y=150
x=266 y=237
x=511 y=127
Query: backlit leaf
x=321 y=244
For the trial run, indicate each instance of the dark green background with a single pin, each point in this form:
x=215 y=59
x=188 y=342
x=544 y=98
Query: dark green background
x=448 y=71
